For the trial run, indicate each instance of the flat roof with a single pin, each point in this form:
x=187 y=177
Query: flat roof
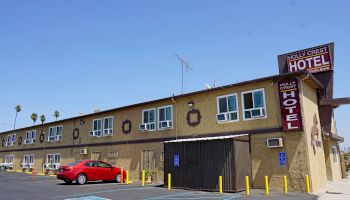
x=307 y=75
x=205 y=138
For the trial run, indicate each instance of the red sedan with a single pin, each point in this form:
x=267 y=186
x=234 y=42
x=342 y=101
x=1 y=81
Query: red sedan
x=89 y=170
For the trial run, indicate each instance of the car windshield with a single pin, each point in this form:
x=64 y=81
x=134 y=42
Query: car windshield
x=74 y=163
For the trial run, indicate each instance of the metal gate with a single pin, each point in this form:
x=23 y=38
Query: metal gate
x=197 y=164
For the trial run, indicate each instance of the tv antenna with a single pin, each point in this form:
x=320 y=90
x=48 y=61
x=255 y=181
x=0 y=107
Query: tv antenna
x=184 y=67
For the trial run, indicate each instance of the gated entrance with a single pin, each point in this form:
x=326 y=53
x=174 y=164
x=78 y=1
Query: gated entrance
x=197 y=163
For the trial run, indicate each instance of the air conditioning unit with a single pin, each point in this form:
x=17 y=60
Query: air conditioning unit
x=222 y=117
x=274 y=142
x=259 y=113
x=83 y=151
x=55 y=166
x=47 y=165
x=24 y=165
x=50 y=138
x=144 y=127
x=107 y=131
x=30 y=165
x=95 y=133
x=58 y=137
x=165 y=124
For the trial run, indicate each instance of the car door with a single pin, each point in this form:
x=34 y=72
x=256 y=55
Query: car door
x=91 y=170
x=106 y=171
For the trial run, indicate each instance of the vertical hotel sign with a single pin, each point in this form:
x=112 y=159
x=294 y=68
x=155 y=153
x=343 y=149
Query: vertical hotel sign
x=313 y=60
x=290 y=105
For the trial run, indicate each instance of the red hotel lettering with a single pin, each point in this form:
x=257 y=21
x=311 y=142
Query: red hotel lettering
x=290 y=106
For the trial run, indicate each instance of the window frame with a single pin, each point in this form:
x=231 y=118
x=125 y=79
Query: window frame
x=11 y=139
x=6 y=159
x=172 y=117
x=228 y=112
x=54 y=135
x=103 y=125
x=93 y=127
x=53 y=158
x=32 y=137
x=335 y=156
x=243 y=104
x=155 y=118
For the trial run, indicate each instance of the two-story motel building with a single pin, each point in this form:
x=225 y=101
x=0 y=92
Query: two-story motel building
x=133 y=136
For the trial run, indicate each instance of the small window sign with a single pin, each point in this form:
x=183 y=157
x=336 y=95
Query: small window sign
x=282 y=158
x=176 y=160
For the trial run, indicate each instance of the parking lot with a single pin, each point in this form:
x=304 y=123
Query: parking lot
x=20 y=186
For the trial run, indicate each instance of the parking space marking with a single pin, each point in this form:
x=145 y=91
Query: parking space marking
x=104 y=191
x=89 y=198
x=196 y=195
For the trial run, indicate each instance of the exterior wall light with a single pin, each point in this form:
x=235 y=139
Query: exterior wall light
x=190 y=104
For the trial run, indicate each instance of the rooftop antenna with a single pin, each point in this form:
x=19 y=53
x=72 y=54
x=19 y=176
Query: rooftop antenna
x=184 y=66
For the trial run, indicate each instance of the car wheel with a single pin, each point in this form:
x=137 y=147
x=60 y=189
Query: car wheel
x=81 y=179
x=2 y=168
x=67 y=181
x=118 y=178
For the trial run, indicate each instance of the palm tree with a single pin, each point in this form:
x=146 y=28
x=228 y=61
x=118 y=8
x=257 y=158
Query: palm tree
x=18 y=109
x=56 y=114
x=42 y=119
x=34 y=117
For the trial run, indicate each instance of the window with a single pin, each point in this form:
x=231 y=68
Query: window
x=253 y=104
x=165 y=117
x=11 y=139
x=148 y=159
x=28 y=161
x=30 y=137
x=227 y=108
x=104 y=165
x=102 y=127
x=335 y=155
x=148 y=120
x=55 y=134
x=108 y=126
x=91 y=164
x=53 y=161
x=9 y=159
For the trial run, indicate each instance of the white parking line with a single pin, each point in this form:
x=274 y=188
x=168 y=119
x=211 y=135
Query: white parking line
x=104 y=191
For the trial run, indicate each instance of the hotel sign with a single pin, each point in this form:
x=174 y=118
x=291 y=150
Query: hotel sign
x=313 y=60
x=290 y=105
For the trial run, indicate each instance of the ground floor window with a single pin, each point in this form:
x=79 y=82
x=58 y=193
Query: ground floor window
x=9 y=159
x=53 y=161
x=28 y=161
x=335 y=155
x=148 y=159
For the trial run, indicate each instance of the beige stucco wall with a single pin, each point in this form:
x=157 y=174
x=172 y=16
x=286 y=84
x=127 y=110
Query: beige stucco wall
x=316 y=158
x=333 y=169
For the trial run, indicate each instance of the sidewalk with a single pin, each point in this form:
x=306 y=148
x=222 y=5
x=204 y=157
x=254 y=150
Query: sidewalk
x=337 y=190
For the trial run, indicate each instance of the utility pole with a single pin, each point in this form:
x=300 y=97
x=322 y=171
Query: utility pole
x=184 y=66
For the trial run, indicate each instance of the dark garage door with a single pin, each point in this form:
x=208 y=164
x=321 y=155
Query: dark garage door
x=198 y=164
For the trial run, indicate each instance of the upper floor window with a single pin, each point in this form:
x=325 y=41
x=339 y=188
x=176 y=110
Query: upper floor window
x=254 y=104
x=148 y=120
x=227 y=108
x=30 y=137
x=28 y=161
x=335 y=155
x=11 y=139
x=9 y=159
x=102 y=127
x=165 y=117
x=108 y=126
x=53 y=161
x=55 y=134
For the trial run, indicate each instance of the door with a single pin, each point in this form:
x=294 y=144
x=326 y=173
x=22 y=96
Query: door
x=91 y=170
x=192 y=165
x=105 y=171
x=95 y=155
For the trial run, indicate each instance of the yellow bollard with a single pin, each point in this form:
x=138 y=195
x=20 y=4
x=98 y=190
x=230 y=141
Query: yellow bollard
x=220 y=184
x=247 y=187
x=285 y=185
x=143 y=177
x=267 y=186
x=169 y=182
x=127 y=177
x=307 y=183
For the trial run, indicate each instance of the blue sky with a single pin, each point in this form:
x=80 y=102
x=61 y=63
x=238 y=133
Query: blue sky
x=77 y=56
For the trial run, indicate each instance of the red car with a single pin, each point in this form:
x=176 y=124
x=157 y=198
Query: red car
x=89 y=170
